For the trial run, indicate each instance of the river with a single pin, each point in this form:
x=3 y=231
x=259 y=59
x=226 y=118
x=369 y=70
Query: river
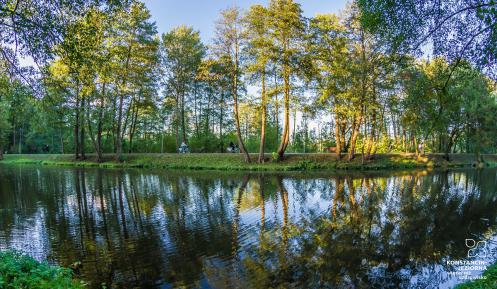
x=169 y=229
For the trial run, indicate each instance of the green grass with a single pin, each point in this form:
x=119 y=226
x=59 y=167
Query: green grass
x=235 y=162
x=20 y=271
x=490 y=281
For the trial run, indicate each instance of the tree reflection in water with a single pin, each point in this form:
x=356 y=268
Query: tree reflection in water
x=144 y=229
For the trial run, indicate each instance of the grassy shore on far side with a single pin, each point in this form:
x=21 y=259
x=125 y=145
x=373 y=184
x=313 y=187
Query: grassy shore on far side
x=235 y=162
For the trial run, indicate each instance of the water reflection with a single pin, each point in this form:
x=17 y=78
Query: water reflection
x=128 y=229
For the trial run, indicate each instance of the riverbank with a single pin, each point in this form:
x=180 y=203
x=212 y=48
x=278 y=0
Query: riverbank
x=20 y=271
x=235 y=162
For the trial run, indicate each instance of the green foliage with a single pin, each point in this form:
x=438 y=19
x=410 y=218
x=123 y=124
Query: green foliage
x=4 y=124
x=20 y=271
x=271 y=141
x=453 y=106
x=274 y=156
x=205 y=142
x=116 y=86
x=458 y=29
x=182 y=53
x=35 y=27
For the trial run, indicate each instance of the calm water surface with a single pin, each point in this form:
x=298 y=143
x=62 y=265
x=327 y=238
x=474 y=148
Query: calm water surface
x=159 y=229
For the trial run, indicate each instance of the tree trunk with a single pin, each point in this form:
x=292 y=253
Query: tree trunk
x=113 y=127
x=372 y=136
x=118 y=156
x=286 y=125
x=76 y=125
x=221 y=116
x=415 y=144
x=237 y=116
x=13 y=133
x=277 y=108
x=238 y=131
x=127 y=117
x=82 y=129
x=61 y=142
x=294 y=128
x=195 y=109
x=132 y=128
x=353 y=139
x=176 y=123
x=100 y=126
x=21 y=130
x=1 y=153
x=450 y=143
x=118 y=129
x=338 y=138
x=90 y=131
x=183 y=124
x=263 y=119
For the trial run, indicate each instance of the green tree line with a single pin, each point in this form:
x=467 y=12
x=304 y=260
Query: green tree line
x=270 y=80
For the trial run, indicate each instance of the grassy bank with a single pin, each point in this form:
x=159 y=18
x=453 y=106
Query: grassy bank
x=489 y=281
x=20 y=271
x=292 y=162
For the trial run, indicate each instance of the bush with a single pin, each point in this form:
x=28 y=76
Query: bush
x=205 y=143
x=20 y=271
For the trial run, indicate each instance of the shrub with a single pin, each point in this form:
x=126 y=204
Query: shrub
x=274 y=156
x=20 y=271
x=205 y=143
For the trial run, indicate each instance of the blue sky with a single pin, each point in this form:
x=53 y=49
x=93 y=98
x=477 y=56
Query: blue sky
x=201 y=14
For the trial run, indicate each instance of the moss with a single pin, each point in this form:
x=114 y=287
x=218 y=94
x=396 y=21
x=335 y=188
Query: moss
x=20 y=271
x=235 y=162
